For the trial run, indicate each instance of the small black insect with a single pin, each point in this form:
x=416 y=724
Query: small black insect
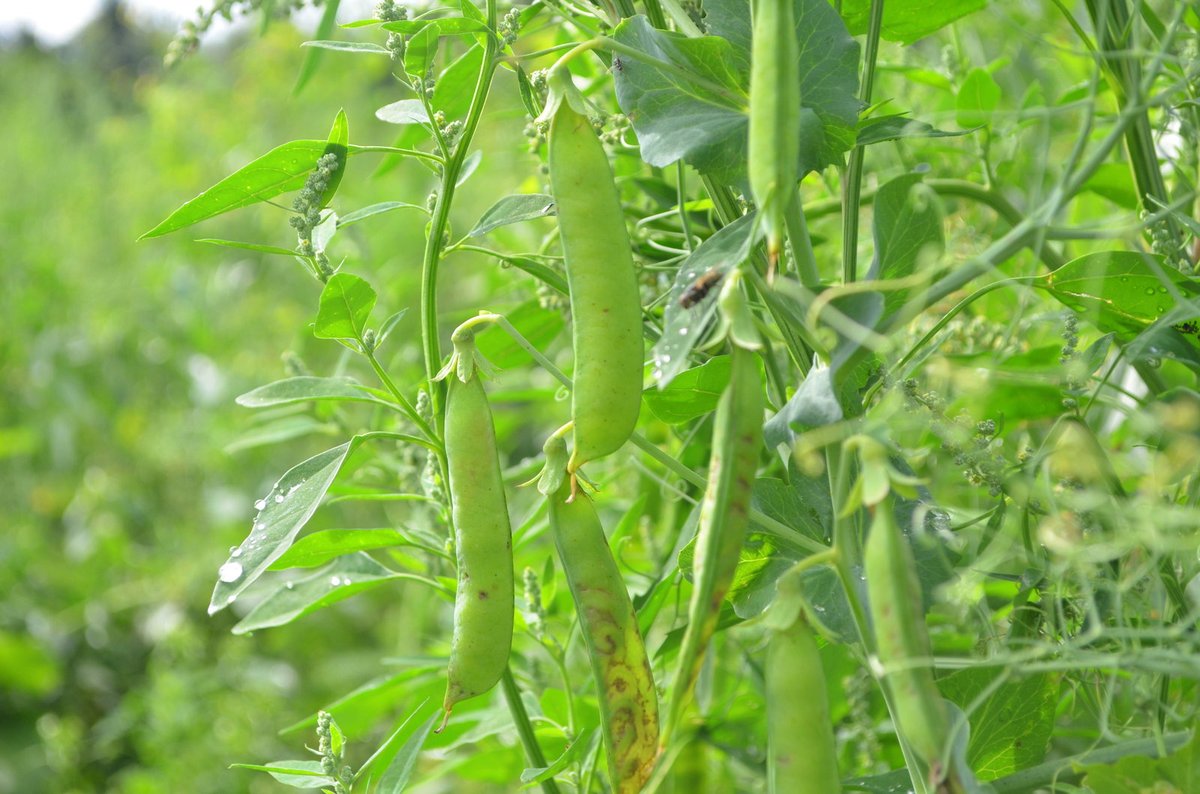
x=699 y=288
x=1188 y=327
x=618 y=65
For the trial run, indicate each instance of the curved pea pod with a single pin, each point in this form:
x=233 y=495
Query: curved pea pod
x=802 y=753
x=624 y=681
x=774 y=136
x=605 y=305
x=724 y=518
x=902 y=640
x=483 y=604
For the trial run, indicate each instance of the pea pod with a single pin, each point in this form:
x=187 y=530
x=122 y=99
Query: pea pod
x=801 y=748
x=774 y=136
x=605 y=305
x=483 y=604
x=724 y=517
x=902 y=640
x=624 y=681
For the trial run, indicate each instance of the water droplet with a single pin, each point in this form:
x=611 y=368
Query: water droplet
x=290 y=585
x=235 y=552
x=683 y=331
x=334 y=581
x=1124 y=279
x=278 y=498
x=230 y=572
x=230 y=599
x=260 y=504
x=666 y=359
x=257 y=526
x=1149 y=290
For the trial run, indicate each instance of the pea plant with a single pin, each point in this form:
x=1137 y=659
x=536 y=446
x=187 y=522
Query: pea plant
x=793 y=507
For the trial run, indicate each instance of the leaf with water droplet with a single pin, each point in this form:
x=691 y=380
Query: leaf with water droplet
x=280 y=521
x=683 y=327
x=344 y=577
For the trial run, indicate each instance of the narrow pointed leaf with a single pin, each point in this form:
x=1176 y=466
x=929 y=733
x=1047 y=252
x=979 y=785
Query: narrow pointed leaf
x=303 y=389
x=345 y=305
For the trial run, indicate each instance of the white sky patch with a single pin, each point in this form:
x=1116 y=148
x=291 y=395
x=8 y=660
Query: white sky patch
x=56 y=21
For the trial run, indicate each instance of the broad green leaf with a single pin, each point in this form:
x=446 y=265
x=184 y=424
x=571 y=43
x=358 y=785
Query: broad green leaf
x=364 y=47
x=321 y=547
x=1121 y=292
x=1137 y=774
x=894 y=128
x=395 y=778
x=375 y=209
x=1011 y=728
x=814 y=404
x=513 y=209
x=406 y=111
x=906 y=21
x=452 y=91
x=344 y=308
x=282 y=169
x=684 y=328
x=282 y=513
x=583 y=743
x=344 y=577
x=421 y=49
x=897 y=781
x=539 y=326
x=977 y=99
x=262 y=249
x=692 y=394
x=1114 y=182
x=680 y=119
x=802 y=503
x=313 y=59
x=303 y=389
x=908 y=233
x=297 y=774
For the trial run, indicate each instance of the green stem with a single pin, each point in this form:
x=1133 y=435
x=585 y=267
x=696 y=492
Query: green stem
x=851 y=192
x=441 y=212
x=533 y=750
x=407 y=407
x=802 y=247
x=1063 y=770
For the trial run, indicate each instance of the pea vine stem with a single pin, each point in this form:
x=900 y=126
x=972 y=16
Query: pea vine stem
x=852 y=189
x=533 y=750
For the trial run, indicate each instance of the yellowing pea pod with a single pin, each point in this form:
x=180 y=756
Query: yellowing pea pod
x=624 y=681
x=802 y=752
x=774 y=136
x=724 y=519
x=902 y=640
x=605 y=305
x=483 y=604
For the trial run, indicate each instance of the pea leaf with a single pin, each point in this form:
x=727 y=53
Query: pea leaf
x=977 y=99
x=345 y=305
x=281 y=515
x=896 y=127
x=692 y=394
x=321 y=547
x=406 y=111
x=1011 y=727
x=908 y=20
x=257 y=247
x=344 y=577
x=908 y=232
x=303 y=389
x=675 y=118
x=375 y=209
x=513 y=209
x=684 y=327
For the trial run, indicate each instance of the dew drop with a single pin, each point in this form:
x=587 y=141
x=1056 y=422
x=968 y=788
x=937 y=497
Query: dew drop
x=683 y=331
x=1150 y=290
x=290 y=585
x=236 y=552
x=278 y=498
x=230 y=599
x=260 y=504
x=230 y=572
x=334 y=581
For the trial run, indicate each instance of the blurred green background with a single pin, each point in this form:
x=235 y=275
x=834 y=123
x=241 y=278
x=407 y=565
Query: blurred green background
x=119 y=362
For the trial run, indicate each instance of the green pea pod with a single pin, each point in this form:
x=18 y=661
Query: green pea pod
x=724 y=518
x=605 y=304
x=624 y=681
x=483 y=605
x=902 y=640
x=800 y=744
x=774 y=134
